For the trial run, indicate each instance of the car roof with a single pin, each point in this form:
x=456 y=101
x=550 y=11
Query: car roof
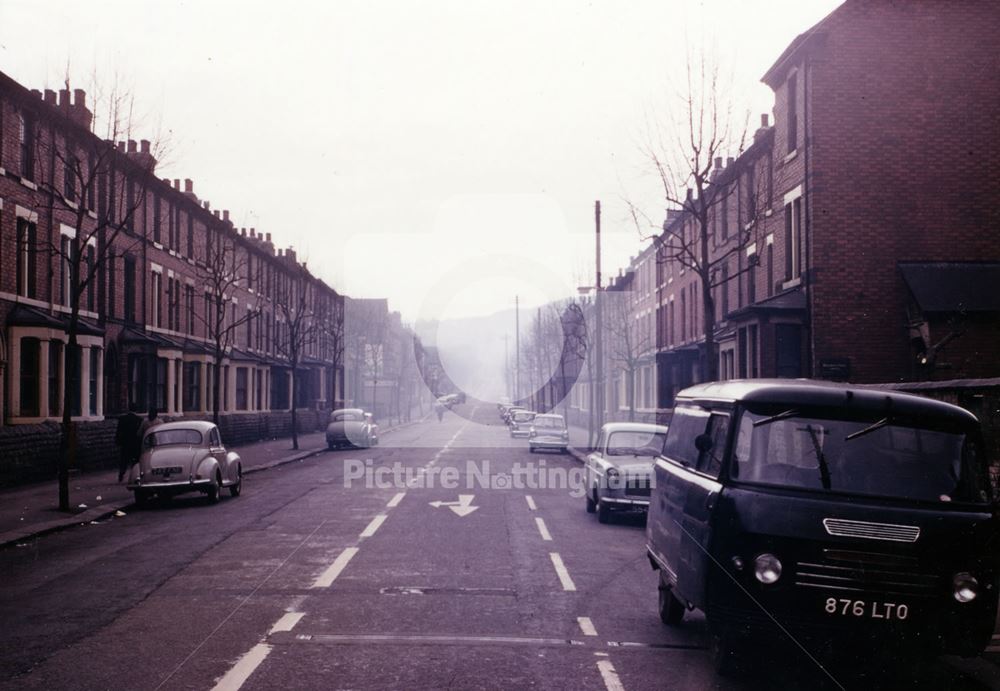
x=632 y=427
x=551 y=415
x=200 y=425
x=347 y=410
x=812 y=392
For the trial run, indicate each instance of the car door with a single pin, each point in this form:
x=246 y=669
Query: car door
x=699 y=503
x=218 y=452
x=594 y=463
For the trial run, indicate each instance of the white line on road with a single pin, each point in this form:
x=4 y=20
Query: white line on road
x=394 y=502
x=543 y=530
x=531 y=502
x=287 y=622
x=587 y=626
x=331 y=573
x=374 y=525
x=243 y=668
x=557 y=562
x=610 y=676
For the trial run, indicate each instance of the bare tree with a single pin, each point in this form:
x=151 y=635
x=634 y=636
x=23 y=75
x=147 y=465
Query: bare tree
x=686 y=160
x=331 y=323
x=221 y=274
x=84 y=178
x=295 y=301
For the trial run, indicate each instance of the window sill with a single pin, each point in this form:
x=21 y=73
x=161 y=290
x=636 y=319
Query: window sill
x=790 y=156
x=792 y=283
x=29 y=184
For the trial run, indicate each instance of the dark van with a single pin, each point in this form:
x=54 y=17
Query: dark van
x=828 y=513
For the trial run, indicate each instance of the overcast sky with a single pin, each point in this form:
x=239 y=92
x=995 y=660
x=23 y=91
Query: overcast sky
x=445 y=155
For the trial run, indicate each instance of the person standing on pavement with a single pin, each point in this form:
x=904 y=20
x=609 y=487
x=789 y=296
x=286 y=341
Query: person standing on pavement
x=127 y=441
x=151 y=421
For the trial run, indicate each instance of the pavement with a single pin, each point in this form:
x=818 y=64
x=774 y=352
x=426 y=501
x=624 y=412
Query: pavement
x=31 y=510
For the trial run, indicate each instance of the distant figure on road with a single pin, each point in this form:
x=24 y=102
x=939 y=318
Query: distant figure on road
x=439 y=409
x=127 y=441
x=151 y=421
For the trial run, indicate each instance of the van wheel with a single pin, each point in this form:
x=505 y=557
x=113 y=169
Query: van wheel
x=591 y=504
x=603 y=512
x=729 y=656
x=141 y=498
x=671 y=609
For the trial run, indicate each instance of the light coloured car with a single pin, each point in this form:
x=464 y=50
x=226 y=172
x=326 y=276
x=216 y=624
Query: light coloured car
x=520 y=422
x=187 y=456
x=548 y=431
x=351 y=427
x=619 y=473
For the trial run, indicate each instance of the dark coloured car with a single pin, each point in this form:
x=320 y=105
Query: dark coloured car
x=845 y=517
x=351 y=427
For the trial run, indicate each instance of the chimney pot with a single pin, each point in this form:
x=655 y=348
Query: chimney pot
x=80 y=98
x=188 y=185
x=718 y=161
x=144 y=146
x=133 y=147
x=63 y=97
x=49 y=97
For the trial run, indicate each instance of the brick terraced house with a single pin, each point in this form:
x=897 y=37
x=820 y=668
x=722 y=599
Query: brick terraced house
x=161 y=282
x=867 y=215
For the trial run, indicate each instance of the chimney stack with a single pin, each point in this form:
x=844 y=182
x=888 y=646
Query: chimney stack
x=763 y=120
x=80 y=98
x=225 y=215
x=188 y=186
x=177 y=184
x=133 y=147
x=144 y=146
x=64 y=98
x=206 y=205
x=267 y=237
x=49 y=96
x=215 y=212
x=729 y=161
x=121 y=147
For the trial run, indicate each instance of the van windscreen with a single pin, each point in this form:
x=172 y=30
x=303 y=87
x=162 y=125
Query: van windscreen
x=881 y=456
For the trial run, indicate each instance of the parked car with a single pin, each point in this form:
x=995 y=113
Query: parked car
x=548 y=431
x=520 y=422
x=840 y=516
x=509 y=412
x=619 y=472
x=351 y=427
x=187 y=456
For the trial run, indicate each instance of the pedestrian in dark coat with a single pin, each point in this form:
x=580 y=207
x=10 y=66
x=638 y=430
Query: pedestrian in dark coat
x=127 y=440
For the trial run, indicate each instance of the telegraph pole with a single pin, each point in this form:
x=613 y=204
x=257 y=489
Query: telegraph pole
x=517 y=349
x=599 y=404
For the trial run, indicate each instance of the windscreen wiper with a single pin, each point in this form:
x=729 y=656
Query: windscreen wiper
x=870 y=428
x=824 y=468
x=791 y=412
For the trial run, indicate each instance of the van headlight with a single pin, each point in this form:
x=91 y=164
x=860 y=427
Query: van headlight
x=966 y=587
x=767 y=568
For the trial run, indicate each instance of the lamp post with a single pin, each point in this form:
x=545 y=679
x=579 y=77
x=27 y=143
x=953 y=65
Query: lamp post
x=599 y=404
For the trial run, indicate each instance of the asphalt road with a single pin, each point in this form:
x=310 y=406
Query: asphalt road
x=454 y=576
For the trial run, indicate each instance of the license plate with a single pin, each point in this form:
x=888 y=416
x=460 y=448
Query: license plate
x=166 y=472
x=866 y=609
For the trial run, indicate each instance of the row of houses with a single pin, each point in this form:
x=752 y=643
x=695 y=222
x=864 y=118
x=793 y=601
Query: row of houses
x=855 y=238
x=123 y=291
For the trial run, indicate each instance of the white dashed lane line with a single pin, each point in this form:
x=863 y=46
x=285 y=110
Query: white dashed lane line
x=394 y=502
x=609 y=675
x=243 y=668
x=531 y=502
x=543 y=530
x=374 y=525
x=586 y=626
x=287 y=622
x=557 y=562
x=338 y=565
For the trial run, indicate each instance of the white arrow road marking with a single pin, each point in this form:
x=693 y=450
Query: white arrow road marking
x=462 y=507
x=557 y=562
x=338 y=565
x=610 y=676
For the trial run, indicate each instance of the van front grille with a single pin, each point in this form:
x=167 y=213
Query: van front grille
x=869 y=576
x=871 y=531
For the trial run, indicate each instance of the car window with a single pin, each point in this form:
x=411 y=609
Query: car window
x=635 y=443
x=686 y=424
x=549 y=423
x=710 y=461
x=189 y=437
x=346 y=417
x=216 y=439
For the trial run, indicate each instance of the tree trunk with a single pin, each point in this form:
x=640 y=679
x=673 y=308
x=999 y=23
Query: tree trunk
x=67 y=442
x=216 y=384
x=294 y=395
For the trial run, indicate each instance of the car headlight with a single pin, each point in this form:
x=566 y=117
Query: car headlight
x=966 y=587
x=767 y=568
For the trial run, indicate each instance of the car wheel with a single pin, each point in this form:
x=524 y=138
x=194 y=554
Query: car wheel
x=531 y=449
x=237 y=487
x=671 y=609
x=141 y=498
x=591 y=504
x=215 y=490
x=330 y=445
x=603 y=511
